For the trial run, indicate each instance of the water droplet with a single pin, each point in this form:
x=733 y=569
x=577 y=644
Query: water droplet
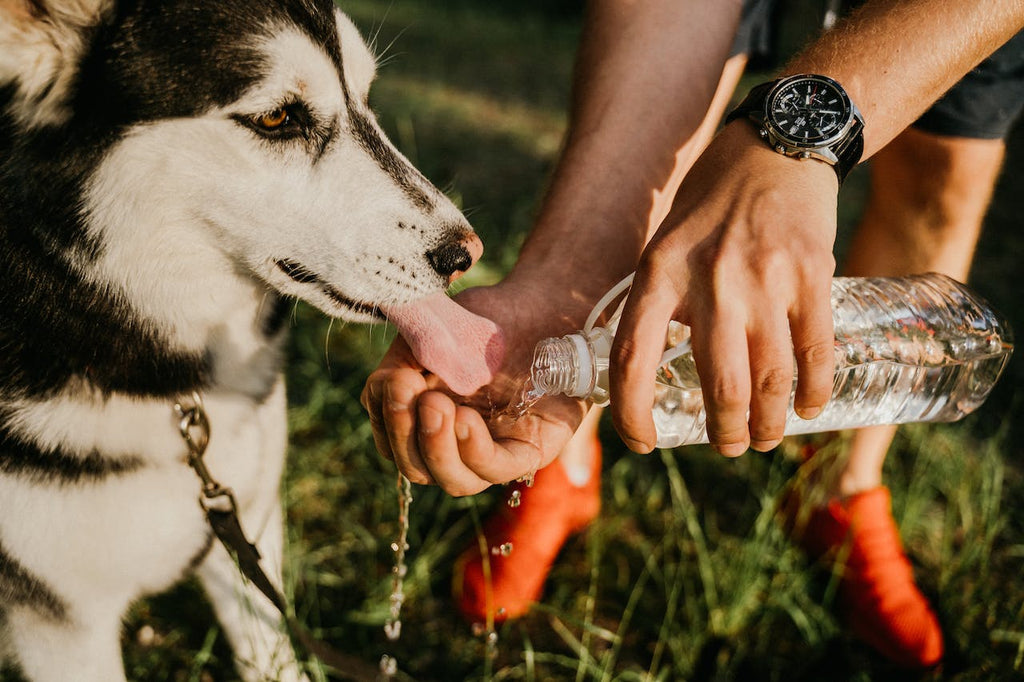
x=515 y=499
x=528 y=479
x=388 y=666
x=504 y=549
x=492 y=644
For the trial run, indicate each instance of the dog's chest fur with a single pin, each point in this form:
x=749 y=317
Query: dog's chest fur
x=99 y=501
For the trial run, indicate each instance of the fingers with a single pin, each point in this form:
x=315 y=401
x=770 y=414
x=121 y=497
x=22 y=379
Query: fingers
x=813 y=346
x=443 y=431
x=372 y=401
x=464 y=455
x=636 y=352
x=771 y=377
x=432 y=440
x=393 y=414
x=721 y=354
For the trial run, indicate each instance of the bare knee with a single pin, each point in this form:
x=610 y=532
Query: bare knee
x=929 y=195
x=947 y=181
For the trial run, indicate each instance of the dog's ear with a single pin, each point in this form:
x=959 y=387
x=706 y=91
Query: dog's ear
x=40 y=44
x=359 y=63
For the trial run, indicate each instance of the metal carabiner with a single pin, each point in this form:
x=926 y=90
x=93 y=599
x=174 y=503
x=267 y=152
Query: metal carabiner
x=194 y=427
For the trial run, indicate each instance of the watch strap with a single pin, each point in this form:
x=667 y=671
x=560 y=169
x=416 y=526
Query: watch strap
x=850 y=149
x=753 y=104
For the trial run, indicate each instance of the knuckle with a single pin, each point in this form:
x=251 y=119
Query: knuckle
x=816 y=354
x=728 y=393
x=433 y=459
x=774 y=381
x=623 y=352
x=767 y=432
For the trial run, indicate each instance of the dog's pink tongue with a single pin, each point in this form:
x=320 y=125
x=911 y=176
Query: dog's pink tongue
x=463 y=349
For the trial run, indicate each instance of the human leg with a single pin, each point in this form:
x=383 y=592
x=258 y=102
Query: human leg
x=929 y=194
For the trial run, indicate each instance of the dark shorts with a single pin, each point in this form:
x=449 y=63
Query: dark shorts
x=983 y=105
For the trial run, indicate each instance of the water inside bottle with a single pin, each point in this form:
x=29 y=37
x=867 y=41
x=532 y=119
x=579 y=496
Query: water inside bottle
x=915 y=372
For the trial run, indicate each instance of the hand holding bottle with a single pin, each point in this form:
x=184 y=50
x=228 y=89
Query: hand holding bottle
x=917 y=348
x=745 y=259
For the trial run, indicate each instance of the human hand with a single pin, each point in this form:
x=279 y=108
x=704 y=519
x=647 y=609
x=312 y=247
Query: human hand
x=745 y=259
x=464 y=445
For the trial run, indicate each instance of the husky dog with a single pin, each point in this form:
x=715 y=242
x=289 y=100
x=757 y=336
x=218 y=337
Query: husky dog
x=171 y=173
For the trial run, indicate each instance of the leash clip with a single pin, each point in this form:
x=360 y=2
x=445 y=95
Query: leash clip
x=194 y=427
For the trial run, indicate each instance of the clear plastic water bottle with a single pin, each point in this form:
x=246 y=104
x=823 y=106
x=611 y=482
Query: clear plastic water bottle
x=913 y=349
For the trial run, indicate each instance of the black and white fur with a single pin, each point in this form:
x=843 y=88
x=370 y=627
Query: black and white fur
x=151 y=228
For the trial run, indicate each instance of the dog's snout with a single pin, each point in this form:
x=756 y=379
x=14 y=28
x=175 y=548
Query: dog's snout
x=454 y=257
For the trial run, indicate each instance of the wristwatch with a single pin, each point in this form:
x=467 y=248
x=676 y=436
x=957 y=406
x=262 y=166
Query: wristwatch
x=807 y=116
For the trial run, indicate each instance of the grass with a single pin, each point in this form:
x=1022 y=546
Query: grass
x=687 y=574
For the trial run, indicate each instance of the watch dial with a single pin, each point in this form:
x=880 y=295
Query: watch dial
x=809 y=111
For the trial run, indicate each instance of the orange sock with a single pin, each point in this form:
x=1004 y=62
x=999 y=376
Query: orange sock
x=549 y=512
x=881 y=601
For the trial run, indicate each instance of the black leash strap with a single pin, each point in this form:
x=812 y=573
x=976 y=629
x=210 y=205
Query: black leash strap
x=222 y=514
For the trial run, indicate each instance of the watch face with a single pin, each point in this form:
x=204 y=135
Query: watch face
x=809 y=111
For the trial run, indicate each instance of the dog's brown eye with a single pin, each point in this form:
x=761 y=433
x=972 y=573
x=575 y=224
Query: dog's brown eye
x=272 y=120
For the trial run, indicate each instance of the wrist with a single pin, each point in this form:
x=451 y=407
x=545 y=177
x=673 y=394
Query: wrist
x=571 y=289
x=741 y=138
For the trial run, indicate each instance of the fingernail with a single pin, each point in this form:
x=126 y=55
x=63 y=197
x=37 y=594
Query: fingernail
x=461 y=431
x=764 y=445
x=731 y=449
x=808 y=412
x=430 y=420
x=398 y=399
x=637 y=446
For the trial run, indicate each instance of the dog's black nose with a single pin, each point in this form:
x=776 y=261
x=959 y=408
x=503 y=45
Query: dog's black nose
x=450 y=258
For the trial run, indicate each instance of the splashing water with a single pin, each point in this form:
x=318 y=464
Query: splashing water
x=393 y=625
x=513 y=412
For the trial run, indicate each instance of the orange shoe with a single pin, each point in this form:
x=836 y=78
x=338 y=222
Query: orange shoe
x=877 y=591
x=549 y=512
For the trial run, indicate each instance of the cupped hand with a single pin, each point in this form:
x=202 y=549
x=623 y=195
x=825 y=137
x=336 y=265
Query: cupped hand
x=464 y=444
x=745 y=259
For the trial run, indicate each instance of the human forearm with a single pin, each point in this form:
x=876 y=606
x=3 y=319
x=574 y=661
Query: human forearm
x=645 y=76
x=896 y=57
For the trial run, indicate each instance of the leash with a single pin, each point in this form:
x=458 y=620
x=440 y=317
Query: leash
x=221 y=508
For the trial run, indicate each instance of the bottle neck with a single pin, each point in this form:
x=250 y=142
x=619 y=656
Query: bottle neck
x=563 y=366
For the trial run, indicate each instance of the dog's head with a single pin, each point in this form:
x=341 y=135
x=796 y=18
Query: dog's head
x=232 y=134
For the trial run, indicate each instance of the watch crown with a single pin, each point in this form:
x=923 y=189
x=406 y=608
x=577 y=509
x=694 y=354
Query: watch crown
x=763 y=133
x=780 y=149
x=805 y=155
